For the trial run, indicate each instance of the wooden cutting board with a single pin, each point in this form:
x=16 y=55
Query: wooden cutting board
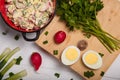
x=109 y=18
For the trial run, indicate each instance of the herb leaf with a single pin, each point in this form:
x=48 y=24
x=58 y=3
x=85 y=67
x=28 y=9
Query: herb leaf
x=82 y=15
x=89 y=74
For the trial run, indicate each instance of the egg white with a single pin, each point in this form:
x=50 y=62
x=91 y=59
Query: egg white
x=92 y=66
x=65 y=61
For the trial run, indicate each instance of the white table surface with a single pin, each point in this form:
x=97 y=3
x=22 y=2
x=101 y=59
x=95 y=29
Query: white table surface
x=49 y=64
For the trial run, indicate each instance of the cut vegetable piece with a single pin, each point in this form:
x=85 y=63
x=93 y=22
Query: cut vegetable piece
x=18 y=75
x=7 y=67
x=4 y=61
x=4 y=53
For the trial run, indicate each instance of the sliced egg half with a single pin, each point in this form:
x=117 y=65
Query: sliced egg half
x=70 y=55
x=92 y=59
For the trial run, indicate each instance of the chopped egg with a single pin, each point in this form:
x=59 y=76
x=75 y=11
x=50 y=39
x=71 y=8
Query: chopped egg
x=70 y=55
x=92 y=59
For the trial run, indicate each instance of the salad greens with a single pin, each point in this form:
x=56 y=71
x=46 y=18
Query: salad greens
x=81 y=15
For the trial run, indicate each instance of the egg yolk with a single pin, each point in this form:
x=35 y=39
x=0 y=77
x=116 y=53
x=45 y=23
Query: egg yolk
x=91 y=58
x=71 y=54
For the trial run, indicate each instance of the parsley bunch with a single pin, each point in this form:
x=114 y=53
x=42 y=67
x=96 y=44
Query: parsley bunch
x=81 y=15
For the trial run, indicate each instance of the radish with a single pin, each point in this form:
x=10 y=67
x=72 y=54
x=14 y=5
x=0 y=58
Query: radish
x=36 y=60
x=59 y=37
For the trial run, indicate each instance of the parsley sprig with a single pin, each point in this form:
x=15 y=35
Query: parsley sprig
x=81 y=15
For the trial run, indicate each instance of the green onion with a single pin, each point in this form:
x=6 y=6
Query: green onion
x=18 y=75
x=45 y=42
x=89 y=74
x=101 y=54
x=46 y=33
x=55 y=52
x=4 y=53
x=57 y=75
x=17 y=36
x=5 y=60
x=102 y=73
x=7 y=67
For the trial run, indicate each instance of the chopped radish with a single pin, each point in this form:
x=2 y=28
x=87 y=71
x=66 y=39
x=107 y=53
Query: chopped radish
x=59 y=37
x=36 y=60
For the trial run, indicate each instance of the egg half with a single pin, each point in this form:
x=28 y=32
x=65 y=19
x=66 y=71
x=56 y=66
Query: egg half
x=92 y=59
x=70 y=55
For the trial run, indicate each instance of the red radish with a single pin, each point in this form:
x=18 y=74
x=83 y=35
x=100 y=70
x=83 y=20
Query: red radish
x=36 y=60
x=59 y=37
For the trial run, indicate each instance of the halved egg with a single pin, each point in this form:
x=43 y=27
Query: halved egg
x=92 y=59
x=70 y=55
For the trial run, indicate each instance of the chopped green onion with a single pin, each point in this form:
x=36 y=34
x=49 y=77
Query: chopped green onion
x=17 y=36
x=101 y=54
x=89 y=74
x=57 y=75
x=19 y=60
x=5 y=32
x=55 y=52
x=11 y=74
x=102 y=73
x=46 y=33
x=45 y=42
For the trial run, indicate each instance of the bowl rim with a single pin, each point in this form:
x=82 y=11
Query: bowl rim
x=18 y=28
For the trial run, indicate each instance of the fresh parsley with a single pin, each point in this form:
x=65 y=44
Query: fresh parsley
x=82 y=15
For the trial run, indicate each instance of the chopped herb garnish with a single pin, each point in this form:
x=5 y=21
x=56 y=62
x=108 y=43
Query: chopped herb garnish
x=17 y=36
x=102 y=73
x=46 y=33
x=19 y=60
x=55 y=52
x=71 y=79
x=89 y=74
x=11 y=74
x=5 y=32
x=101 y=54
x=57 y=75
x=45 y=42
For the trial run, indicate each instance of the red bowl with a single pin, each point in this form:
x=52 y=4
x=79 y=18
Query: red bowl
x=18 y=28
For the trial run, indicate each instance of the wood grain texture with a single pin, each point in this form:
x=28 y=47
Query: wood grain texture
x=109 y=18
